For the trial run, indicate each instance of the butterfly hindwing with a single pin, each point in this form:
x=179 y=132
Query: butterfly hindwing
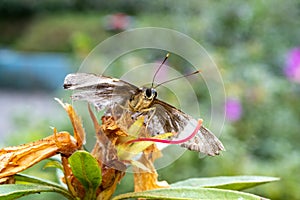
x=174 y=120
x=205 y=142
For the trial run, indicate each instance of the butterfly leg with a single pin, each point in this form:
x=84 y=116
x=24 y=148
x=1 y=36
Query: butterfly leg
x=152 y=109
x=123 y=107
x=118 y=111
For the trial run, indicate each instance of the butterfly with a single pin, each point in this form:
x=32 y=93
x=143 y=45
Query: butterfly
x=111 y=93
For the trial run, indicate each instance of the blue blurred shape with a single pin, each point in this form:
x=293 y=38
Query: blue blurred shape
x=33 y=71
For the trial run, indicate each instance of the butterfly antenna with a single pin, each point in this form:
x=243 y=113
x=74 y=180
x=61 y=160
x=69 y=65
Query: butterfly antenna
x=167 y=56
x=179 y=77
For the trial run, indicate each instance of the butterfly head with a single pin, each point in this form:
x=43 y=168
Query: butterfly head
x=142 y=99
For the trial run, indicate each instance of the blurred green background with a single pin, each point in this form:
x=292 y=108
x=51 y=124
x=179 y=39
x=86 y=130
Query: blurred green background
x=255 y=44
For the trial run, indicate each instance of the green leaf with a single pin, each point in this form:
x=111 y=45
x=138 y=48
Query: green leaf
x=14 y=191
x=32 y=179
x=86 y=169
x=226 y=182
x=189 y=193
x=54 y=164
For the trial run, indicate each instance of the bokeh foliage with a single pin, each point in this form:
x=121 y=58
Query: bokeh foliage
x=249 y=42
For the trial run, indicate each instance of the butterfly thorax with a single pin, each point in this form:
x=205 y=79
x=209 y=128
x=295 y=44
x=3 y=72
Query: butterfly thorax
x=142 y=99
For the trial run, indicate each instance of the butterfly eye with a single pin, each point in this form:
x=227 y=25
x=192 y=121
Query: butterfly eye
x=148 y=93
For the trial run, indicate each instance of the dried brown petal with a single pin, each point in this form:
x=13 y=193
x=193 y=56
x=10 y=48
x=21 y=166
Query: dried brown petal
x=147 y=180
x=18 y=158
x=7 y=180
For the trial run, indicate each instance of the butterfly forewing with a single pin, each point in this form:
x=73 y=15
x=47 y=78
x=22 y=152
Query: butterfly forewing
x=101 y=91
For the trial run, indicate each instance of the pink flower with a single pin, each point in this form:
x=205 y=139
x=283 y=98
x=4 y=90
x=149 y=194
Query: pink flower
x=118 y=22
x=233 y=109
x=292 y=66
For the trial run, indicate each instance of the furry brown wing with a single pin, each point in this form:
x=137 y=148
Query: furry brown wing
x=101 y=91
x=169 y=119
